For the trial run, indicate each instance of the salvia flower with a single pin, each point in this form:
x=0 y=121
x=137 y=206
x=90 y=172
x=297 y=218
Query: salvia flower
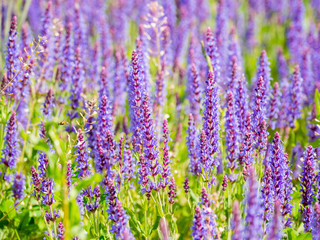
x=295 y=96
x=135 y=98
x=48 y=103
x=52 y=216
x=316 y=221
x=258 y=106
x=247 y=146
x=263 y=70
x=211 y=116
x=253 y=229
x=236 y=222
x=69 y=175
x=82 y=158
x=76 y=84
x=149 y=140
x=12 y=61
x=212 y=52
x=241 y=105
x=278 y=164
x=10 y=151
x=67 y=61
x=111 y=198
x=192 y=143
x=186 y=185
x=225 y=183
x=197 y=226
x=267 y=193
x=166 y=173
x=121 y=225
x=92 y=198
x=232 y=132
x=18 y=186
x=61 y=231
x=274 y=106
x=194 y=92
x=172 y=191
x=208 y=223
x=287 y=206
x=307 y=192
x=143 y=176
x=276 y=224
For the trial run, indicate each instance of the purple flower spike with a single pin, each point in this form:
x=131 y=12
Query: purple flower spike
x=225 y=183
x=278 y=164
x=48 y=104
x=166 y=173
x=47 y=189
x=150 y=148
x=172 y=191
x=276 y=224
x=193 y=143
x=60 y=234
x=111 y=198
x=267 y=193
x=246 y=148
x=121 y=225
x=205 y=201
x=307 y=192
x=263 y=70
x=12 y=61
x=232 y=132
x=76 y=85
x=316 y=221
x=254 y=217
x=212 y=52
x=197 y=225
x=286 y=207
x=295 y=97
x=186 y=185
x=143 y=176
x=236 y=222
x=274 y=106
x=241 y=105
x=194 y=92
x=67 y=62
x=69 y=175
x=10 y=153
x=18 y=186
x=211 y=116
x=135 y=98
x=208 y=223
x=82 y=158
x=307 y=76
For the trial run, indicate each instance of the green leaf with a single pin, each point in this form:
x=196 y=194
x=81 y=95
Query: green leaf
x=6 y=206
x=156 y=224
x=96 y=178
x=305 y=236
x=292 y=234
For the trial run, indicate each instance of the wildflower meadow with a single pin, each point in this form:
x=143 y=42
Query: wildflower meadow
x=160 y=119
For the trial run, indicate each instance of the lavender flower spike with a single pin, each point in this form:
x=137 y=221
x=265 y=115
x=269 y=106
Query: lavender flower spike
x=236 y=222
x=316 y=221
x=192 y=143
x=10 y=153
x=12 y=60
x=307 y=192
x=82 y=158
x=48 y=103
x=232 y=132
x=211 y=116
x=18 y=186
x=253 y=229
x=295 y=96
x=276 y=224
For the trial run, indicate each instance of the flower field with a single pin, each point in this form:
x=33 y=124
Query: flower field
x=160 y=119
